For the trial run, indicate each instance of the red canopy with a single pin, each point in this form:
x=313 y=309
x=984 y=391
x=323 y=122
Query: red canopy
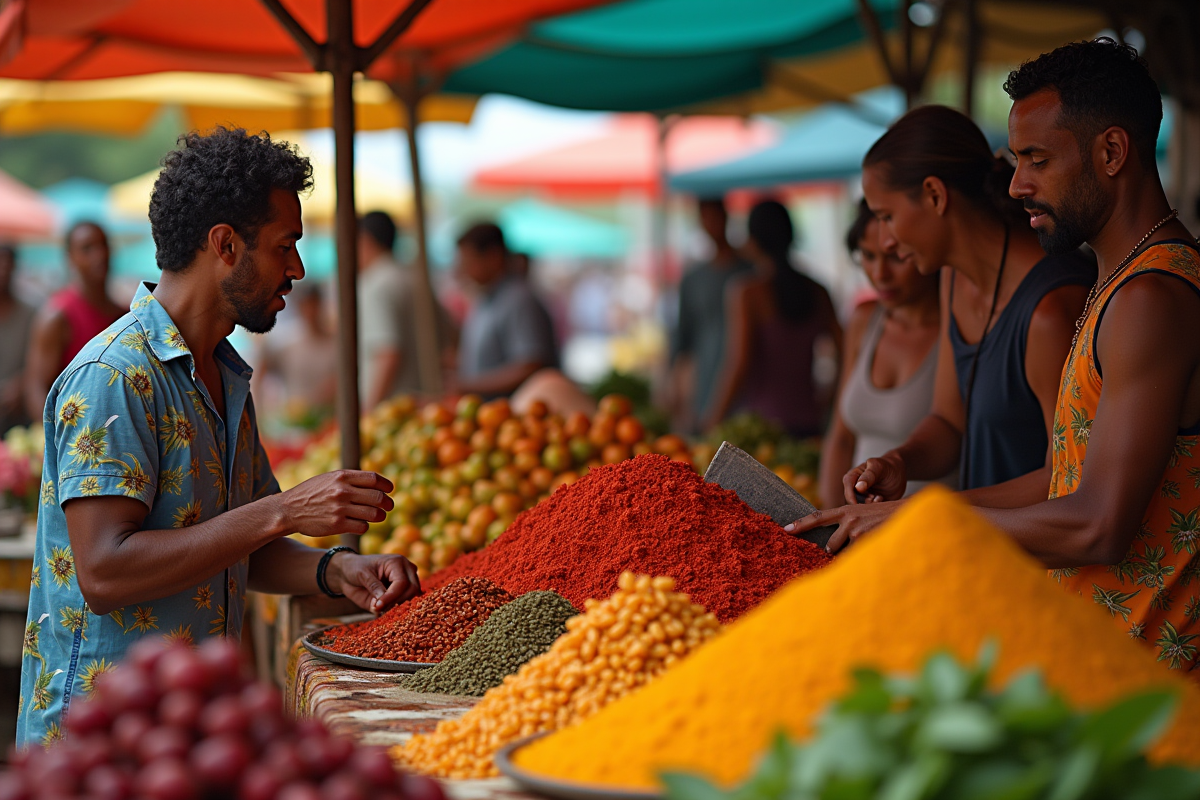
x=627 y=158
x=23 y=212
x=69 y=39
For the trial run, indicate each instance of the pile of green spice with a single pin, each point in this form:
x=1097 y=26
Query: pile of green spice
x=517 y=632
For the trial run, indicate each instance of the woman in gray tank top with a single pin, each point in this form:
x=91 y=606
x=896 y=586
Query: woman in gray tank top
x=890 y=361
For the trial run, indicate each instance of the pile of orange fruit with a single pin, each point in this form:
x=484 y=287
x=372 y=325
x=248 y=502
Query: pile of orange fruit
x=464 y=470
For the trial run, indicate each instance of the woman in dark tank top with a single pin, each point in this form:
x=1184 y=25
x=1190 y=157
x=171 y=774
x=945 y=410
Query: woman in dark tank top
x=1008 y=314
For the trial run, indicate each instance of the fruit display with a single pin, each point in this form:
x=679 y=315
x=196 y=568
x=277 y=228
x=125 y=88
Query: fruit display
x=464 y=470
x=172 y=723
x=794 y=460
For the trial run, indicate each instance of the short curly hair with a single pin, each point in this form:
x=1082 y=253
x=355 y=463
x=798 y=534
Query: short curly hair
x=1100 y=84
x=224 y=176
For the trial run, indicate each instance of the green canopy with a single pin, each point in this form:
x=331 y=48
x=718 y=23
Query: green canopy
x=653 y=55
x=543 y=230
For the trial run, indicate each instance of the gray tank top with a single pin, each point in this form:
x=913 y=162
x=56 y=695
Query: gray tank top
x=882 y=419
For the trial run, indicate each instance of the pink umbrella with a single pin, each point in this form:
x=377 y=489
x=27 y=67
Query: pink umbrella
x=628 y=158
x=23 y=212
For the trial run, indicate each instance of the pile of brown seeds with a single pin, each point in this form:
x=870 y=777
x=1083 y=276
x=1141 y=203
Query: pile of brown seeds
x=438 y=622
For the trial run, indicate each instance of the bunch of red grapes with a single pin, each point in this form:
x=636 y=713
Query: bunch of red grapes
x=173 y=723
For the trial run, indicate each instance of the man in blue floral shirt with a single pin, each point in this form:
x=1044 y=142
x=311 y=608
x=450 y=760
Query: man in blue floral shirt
x=158 y=506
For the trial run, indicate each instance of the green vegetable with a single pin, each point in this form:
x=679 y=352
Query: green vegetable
x=944 y=735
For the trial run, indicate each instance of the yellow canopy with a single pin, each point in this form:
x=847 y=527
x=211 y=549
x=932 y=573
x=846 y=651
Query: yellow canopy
x=372 y=191
x=124 y=106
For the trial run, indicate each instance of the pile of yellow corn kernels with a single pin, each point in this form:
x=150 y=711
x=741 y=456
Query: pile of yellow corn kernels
x=614 y=647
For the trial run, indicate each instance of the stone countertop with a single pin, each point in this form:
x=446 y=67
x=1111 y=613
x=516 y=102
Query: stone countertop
x=371 y=708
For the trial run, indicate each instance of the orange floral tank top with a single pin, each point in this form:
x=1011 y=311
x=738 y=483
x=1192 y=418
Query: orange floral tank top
x=1154 y=592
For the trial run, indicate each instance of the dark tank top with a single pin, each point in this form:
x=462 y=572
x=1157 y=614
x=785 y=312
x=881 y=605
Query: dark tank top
x=1006 y=432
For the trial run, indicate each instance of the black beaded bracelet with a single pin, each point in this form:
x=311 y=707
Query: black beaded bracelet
x=324 y=564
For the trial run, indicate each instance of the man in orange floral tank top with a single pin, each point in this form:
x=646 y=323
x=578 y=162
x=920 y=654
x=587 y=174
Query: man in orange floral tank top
x=1122 y=525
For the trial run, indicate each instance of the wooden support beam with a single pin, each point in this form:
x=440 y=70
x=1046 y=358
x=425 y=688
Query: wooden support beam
x=313 y=51
x=400 y=24
x=971 y=47
x=870 y=22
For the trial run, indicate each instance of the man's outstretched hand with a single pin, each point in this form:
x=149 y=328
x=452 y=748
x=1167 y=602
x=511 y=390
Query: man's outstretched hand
x=374 y=583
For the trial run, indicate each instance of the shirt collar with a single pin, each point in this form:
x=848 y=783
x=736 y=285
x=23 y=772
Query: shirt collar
x=164 y=337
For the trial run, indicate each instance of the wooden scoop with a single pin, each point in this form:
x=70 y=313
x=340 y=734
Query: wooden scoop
x=763 y=490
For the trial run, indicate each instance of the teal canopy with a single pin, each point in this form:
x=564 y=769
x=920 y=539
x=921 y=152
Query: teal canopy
x=826 y=144
x=653 y=55
x=542 y=230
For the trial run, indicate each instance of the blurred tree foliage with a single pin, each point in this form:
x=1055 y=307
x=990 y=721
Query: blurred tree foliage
x=43 y=159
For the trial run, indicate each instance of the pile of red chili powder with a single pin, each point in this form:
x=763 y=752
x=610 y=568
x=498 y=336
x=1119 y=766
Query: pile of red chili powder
x=431 y=626
x=651 y=516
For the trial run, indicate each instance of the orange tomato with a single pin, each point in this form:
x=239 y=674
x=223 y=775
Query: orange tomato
x=493 y=413
x=442 y=435
x=534 y=427
x=507 y=478
x=508 y=504
x=436 y=414
x=617 y=405
x=541 y=477
x=670 y=444
x=452 y=451
x=577 y=424
x=528 y=491
x=473 y=536
x=614 y=453
x=683 y=458
x=629 y=430
x=528 y=444
x=482 y=516
x=462 y=428
x=407 y=534
x=603 y=430
x=510 y=431
x=538 y=409
x=525 y=462
x=642 y=448
x=483 y=440
x=566 y=479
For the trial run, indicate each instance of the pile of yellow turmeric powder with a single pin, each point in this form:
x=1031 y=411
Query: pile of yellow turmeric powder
x=614 y=647
x=936 y=575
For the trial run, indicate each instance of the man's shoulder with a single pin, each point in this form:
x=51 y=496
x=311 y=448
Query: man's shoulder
x=122 y=347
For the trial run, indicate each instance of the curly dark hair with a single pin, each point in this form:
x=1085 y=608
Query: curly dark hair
x=1100 y=84
x=225 y=176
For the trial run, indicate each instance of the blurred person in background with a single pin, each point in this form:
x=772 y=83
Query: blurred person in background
x=16 y=321
x=387 y=335
x=507 y=335
x=775 y=320
x=1008 y=316
x=306 y=363
x=72 y=316
x=698 y=346
x=889 y=363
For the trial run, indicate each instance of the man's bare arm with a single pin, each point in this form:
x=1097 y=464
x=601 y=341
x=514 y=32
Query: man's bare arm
x=1149 y=356
x=118 y=563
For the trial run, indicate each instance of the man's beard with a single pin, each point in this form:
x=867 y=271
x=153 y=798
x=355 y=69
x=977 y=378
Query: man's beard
x=251 y=306
x=1077 y=219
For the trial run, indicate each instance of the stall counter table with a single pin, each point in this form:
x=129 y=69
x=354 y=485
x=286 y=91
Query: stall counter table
x=370 y=708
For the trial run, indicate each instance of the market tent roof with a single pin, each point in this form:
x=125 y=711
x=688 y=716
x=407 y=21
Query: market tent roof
x=627 y=158
x=126 y=106
x=656 y=55
x=543 y=230
x=80 y=39
x=826 y=144
x=23 y=212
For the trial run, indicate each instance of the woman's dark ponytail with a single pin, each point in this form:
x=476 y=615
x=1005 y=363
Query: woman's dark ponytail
x=937 y=141
x=770 y=226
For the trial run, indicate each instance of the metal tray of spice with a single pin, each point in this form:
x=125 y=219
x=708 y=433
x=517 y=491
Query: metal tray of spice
x=560 y=790
x=314 y=643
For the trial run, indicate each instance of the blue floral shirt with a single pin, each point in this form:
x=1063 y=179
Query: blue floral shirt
x=129 y=417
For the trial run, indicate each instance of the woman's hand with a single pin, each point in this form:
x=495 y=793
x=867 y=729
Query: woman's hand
x=883 y=478
x=853 y=521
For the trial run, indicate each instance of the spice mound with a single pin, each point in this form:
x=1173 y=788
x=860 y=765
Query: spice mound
x=516 y=633
x=613 y=648
x=434 y=624
x=652 y=516
x=935 y=576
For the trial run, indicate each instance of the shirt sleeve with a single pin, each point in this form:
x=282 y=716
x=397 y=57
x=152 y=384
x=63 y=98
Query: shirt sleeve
x=262 y=477
x=104 y=433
